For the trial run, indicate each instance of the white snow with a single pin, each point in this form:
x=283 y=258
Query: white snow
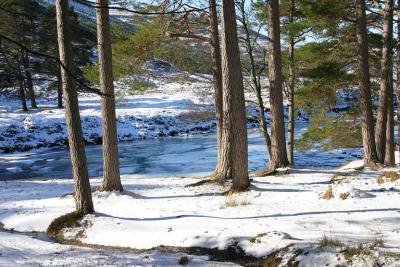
x=276 y=212
x=20 y=250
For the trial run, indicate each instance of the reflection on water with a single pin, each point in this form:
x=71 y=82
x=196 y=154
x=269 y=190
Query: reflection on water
x=178 y=156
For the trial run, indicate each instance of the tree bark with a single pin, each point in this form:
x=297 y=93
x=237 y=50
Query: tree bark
x=234 y=135
x=278 y=152
x=381 y=123
x=22 y=94
x=83 y=196
x=291 y=78
x=390 y=144
x=367 y=123
x=111 y=175
x=398 y=81
x=29 y=82
x=217 y=79
x=59 y=90
x=390 y=147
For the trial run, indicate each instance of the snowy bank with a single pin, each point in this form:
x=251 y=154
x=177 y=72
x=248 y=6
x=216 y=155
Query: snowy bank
x=178 y=105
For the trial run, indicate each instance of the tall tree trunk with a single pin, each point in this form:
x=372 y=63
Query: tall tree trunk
x=390 y=143
x=83 y=196
x=398 y=81
x=367 y=123
x=278 y=152
x=256 y=84
x=22 y=94
x=386 y=62
x=111 y=175
x=234 y=133
x=29 y=82
x=217 y=79
x=390 y=147
x=59 y=89
x=292 y=119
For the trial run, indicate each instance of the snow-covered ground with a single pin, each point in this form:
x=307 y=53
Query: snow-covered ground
x=21 y=250
x=285 y=214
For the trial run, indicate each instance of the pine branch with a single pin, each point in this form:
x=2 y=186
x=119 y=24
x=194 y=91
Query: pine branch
x=70 y=73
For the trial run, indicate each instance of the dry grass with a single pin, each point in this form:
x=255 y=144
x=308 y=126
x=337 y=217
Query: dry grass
x=235 y=200
x=362 y=250
x=256 y=239
x=331 y=242
x=344 y=196
x=391 y=254
x=388 y=176
x=328 y=194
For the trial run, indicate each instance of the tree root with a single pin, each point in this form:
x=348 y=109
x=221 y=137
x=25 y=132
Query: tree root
x=266 y=172
x=209 y=179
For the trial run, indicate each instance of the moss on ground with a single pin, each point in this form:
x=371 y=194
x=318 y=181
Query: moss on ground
x=68 y=220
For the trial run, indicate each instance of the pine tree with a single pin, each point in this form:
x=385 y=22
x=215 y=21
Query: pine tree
x=217 y=79
x=385 y=82
x=111 y=175
x=398 y=80
x=389 y=159
x=83 y=196
x=367 y=124
x=291 y=84
x=234 y=134
x=278 y=152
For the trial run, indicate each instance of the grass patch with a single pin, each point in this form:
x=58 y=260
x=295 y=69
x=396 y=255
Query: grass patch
x=388 y=176
x=273 y=260
x=393 y=255
x=330 y=242
x=235 y=200
x=256 y=239
x=68 y=220
x=362 y=250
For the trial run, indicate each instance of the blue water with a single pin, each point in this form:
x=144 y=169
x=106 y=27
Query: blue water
x=175 y=156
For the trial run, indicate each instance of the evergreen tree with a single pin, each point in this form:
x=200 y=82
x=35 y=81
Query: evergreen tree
x=234 y=135
x=385 y=85
x=217 y=79
x=111 y=175
x=83 y=195
x=370 y=155
x=278 y=149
